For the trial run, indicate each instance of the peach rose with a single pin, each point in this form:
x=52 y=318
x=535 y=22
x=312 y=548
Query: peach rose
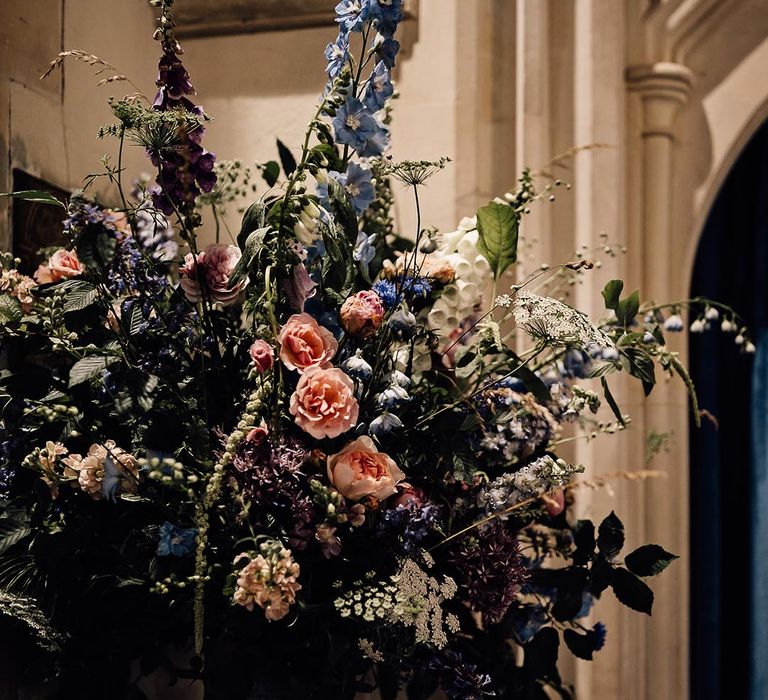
x=62 y=265
x=360 y=470
x=324 y=403
x=362 y=314
x=304 y=343
x=262 y=355
x=212 y=268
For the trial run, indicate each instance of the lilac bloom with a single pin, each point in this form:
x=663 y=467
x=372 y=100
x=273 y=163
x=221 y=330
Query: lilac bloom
x=379 y=88
x=354 y=125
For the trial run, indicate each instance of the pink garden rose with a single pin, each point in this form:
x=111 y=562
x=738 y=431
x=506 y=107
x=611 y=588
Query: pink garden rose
x=212 y=268
x=324 y=403
x=262 y=355
x=62 y=265
x=360 y=470
x=362 y=314
x=304 y=343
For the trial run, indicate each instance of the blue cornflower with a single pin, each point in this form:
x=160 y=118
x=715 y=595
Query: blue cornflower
x=353 y=14
x=379 y=88
x=175 y=540
x=354 y=124
x=365 y=250
x=336 y=53
x=387 y=292
x=387 y=49
x=418 y=286
x=599 y=630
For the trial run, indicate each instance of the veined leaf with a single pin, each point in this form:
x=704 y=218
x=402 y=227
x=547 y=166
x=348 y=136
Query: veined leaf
x=39 y=196
x=612 y=292
x=79 y=294
x=88 y=368
x=497 y=227
x=649 y=560
x=10 y=309
x=11 y=533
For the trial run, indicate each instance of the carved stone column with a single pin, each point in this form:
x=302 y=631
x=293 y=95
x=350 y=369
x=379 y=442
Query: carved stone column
x=663 y=89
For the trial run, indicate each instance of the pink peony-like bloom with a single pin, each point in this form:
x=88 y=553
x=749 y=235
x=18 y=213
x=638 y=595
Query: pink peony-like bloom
x=360 y=470
x=262 y=355
x=304 y=343
x=324 y=403
x=257 y=435
x=91 y=471
x=210 y=271
x=62 y=265
x=362 y=314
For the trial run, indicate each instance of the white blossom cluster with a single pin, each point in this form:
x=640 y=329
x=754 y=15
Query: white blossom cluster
x=533 y=480
x=411 y=597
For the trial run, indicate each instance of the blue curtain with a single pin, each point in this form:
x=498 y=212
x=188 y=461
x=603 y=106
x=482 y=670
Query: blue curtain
x=729 y=460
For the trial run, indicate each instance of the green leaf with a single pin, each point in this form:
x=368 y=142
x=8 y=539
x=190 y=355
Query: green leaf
x=88 y=368
x=271 y=172
x=10 y=309
x=497 y=227
x=600 y=576
x=649 y=560
x=631 y=591
x=641 y=365
x=343 y=210
x=627 y=309
x=251 y=249
x=611 y=401
x=39 y=196
x=612 y=292
x=136 y=319
x=79 y=294
x=582 y=646
x=252 y=219
x=11 y=533
x=610 y=536
x=286 y=158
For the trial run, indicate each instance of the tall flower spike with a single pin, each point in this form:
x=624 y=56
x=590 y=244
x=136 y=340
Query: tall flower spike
x=187 y=170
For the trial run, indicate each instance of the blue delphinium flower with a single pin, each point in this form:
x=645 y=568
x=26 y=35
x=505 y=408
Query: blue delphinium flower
x=336 y=53
x=176 y=540
x=365 y=250
x=353 y=14
x=377 y=142
x=410 y=524
x=387 y=50
x=389 y=15
x=355 y=126
x=379 y=88
x=357 y=183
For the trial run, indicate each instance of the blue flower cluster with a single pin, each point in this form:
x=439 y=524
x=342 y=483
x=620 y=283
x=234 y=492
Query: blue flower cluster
x=410 y=525
x=357 y=182
x=175 y=540
x=356 y=123
x=393 y=291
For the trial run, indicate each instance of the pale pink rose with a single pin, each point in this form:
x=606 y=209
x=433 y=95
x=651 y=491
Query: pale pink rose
x=360 y=470
x=210 y=271
x=362 y=314
x=262 y=355
x=324 y=403
x=62 y=265
x=304 y=343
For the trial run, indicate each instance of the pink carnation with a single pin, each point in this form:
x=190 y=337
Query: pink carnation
x=362 y=314
x=360 y=470
x=62 y=265
x=304 y=343
x=211 y=271
x=324 y=404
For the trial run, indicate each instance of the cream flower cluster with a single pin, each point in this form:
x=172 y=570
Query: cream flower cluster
x=462 y=298
x=269 y=580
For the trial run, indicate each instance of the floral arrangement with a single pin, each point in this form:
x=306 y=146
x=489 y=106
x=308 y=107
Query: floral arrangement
x=321 y=457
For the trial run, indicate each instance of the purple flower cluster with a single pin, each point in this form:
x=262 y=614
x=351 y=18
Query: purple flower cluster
x=272 y=480
x=185 y=171
x=490 y=571
x=460 y=679
x=409 y=525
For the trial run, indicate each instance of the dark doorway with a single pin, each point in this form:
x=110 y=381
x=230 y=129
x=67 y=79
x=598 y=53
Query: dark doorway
x=729 y=458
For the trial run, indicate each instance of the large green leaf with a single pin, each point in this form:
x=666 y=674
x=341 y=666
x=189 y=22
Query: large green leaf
x=498 y=226
x=11 y=533
x=10 y=309
x=631 y=591
x=648 y=560
x=88 y=368
x=79 y=294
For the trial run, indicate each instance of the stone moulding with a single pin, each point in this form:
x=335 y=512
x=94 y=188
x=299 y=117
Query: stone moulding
x=201 y=18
